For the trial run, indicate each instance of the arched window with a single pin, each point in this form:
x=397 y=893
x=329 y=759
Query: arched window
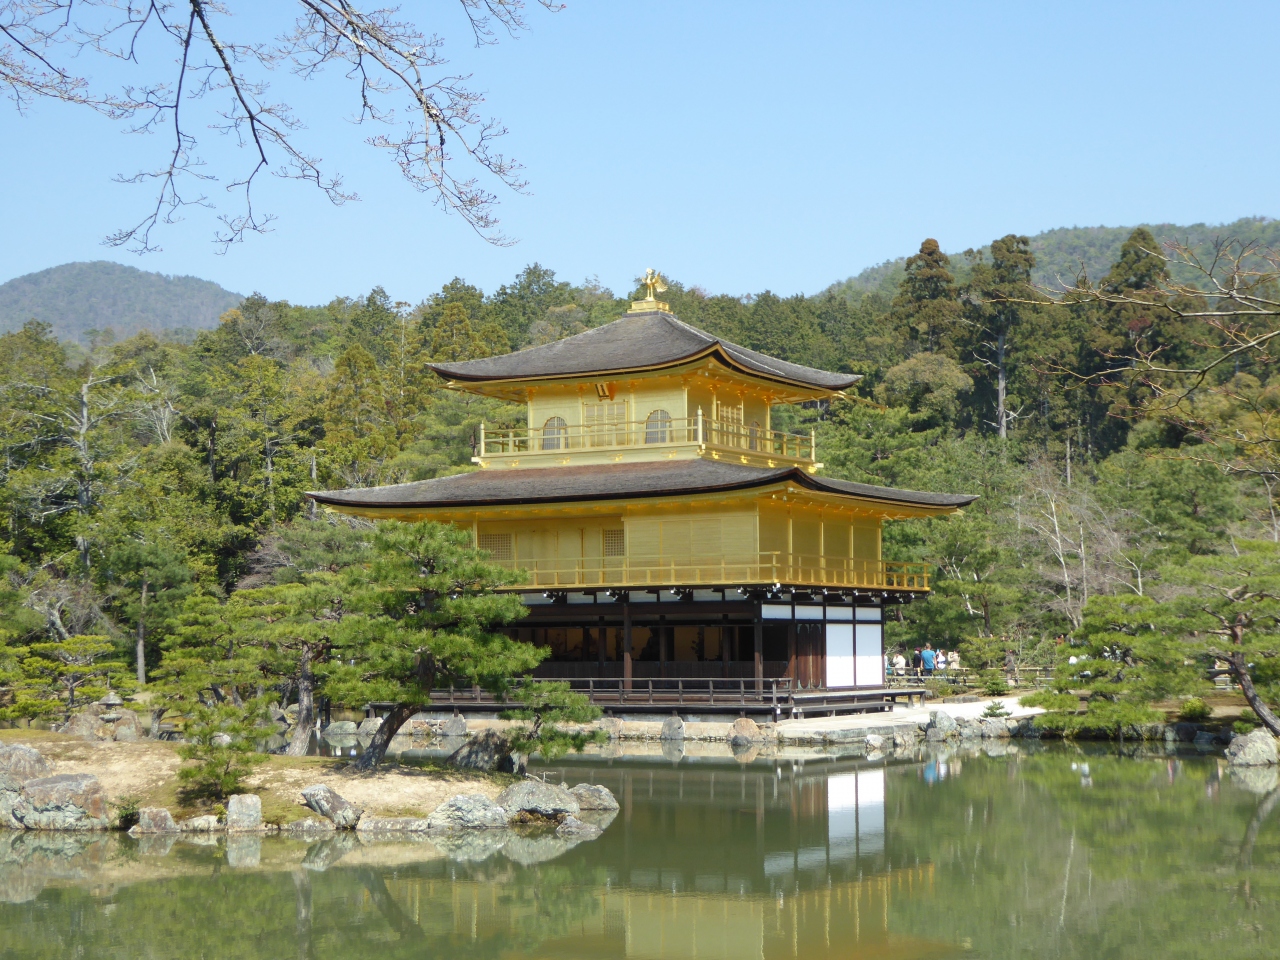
x=554 y=433
x=657 y=427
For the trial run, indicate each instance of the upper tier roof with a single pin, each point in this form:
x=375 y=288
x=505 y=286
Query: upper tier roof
x=638 y=341
x=614 y=481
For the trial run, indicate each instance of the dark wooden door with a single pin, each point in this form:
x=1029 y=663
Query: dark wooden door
x=810 y=655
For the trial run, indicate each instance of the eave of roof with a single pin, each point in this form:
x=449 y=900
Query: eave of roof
x=636 y=343
x=606 y=482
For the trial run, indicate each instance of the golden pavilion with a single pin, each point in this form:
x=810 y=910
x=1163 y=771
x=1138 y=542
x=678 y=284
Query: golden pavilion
x=668 y=531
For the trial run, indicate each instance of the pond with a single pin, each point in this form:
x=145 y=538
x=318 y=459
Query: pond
x=1031 y=852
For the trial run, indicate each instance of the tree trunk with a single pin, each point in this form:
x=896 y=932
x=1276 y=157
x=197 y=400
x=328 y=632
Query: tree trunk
x=156 y=716
x=1002 y=387
x=1240 y=671
x=142 y=637
x=391 y=725
x=305 y=721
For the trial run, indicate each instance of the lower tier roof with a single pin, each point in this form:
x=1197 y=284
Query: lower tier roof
x=615 y=481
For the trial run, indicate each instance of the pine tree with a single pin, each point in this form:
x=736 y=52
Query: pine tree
x=927 y=307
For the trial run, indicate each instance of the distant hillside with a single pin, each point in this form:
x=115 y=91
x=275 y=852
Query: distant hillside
x=1060 y=252
x=77 y=297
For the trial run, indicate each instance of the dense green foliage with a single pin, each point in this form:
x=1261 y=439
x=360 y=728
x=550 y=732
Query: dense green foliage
x=76 y=299
x=145 y=481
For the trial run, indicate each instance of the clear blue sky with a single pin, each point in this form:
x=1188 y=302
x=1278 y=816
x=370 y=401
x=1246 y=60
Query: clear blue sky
x=735 y=145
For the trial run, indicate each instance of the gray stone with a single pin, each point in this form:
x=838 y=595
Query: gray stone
x=220 y=740
x=592 y=796
x=326 y=802
x=672 y=729
x=996 y=728
x=1206 y=740
x=744 y=730
x=942 y=726
x=323 y=855
x=244 y=851
x=877 y=743
x=10 y=796
x=455 y=726
x=470 y=811
x=1256 y=749
x=87 y=726
x=489 y=751
x=205 y=824
x=369 y=726
x=23 y=763
x=308 y=828
x=127 y=729
x=969 y=729
x=1186 y=732
x=399 y=825
x=339 y=729
x=573 y=827
x=244 y=813
x=153 y=820
x=904 y=738
x=66 y=801
x=534 y=796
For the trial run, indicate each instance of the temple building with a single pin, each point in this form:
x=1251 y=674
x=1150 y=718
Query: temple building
x=670 y=534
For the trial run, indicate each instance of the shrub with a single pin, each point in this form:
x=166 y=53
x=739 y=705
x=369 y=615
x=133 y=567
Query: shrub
x=1195 y=710
x=1051 y=701
x=995 y=710
x=937 y=689
x=994 y=684
x=222 y=740
x=127 y=812
x=1244 y=726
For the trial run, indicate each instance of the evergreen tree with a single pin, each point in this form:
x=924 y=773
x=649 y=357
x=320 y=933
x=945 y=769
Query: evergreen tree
x=927 y=307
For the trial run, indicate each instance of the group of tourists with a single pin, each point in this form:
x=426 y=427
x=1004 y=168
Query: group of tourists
x=926 y=662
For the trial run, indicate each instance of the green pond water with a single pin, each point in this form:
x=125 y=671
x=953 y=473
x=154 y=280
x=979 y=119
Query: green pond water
x=1032 y=852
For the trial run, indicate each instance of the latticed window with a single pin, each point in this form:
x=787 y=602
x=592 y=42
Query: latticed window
x=554 y=434
x=606 y=423
x=615 y=543
x=730 y=426
x=657 y=428
x=497 y=545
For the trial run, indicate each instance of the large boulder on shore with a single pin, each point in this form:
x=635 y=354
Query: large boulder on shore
x=672 y=729
x=153 y=820
x=10 y=795
x=592 y=796
x=66 y=801
x=23 y=763
x=470 y=811
x=340 y=729
x=326 y=802
x=745 y=730
x=544 y=799
x=942 y=726
x=399 y=826
x=573 y=827
x=1256 y=749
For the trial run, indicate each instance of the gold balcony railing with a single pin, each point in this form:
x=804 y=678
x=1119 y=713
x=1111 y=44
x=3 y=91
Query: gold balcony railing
x=557 y=439
x=764 y=569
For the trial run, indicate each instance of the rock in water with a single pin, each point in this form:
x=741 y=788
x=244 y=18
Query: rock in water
x=672 y=729
x=592 y=796
x=485 y=752
x=153 y=820
x=391 y=825
x=877 y=743
x=455 y=726
x=244 y=813
x=744 y=730
x=369 y=726
x=534 y=796
x=326 y=802
x=66 y=801
x=10 y=796
x=23 y=763
x=573 y=827
x=205 y=824
x=470 y=811
x=339 y=729
x=1257 y=749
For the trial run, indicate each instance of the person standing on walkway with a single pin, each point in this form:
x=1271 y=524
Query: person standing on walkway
x=929 y=658
x=899 y=665
x=940 y=662
x=917 y=663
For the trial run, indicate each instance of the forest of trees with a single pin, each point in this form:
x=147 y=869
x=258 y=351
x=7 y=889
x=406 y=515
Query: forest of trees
x=144 y=481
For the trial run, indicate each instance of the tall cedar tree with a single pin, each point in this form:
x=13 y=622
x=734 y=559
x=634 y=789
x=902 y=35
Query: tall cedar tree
x=927 y=307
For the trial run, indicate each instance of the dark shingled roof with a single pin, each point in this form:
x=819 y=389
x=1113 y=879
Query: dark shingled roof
x=613 y=481
x=638 y=340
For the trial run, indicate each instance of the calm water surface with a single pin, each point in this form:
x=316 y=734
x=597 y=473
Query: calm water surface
x=1034 y=853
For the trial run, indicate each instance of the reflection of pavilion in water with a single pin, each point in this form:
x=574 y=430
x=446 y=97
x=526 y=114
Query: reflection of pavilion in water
x=761 y=861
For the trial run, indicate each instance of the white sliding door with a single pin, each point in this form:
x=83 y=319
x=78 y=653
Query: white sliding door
x=868 y=655
x=840 y=671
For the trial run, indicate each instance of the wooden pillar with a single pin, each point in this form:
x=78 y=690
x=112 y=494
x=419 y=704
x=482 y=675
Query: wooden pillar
x=662 y=645
x=791 y=650
x=626 y=646
x=758 y=650
x=602 y=638
x=724 y=647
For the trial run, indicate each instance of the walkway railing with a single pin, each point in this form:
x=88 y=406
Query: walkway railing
x=723 y=434
x=764 y=568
